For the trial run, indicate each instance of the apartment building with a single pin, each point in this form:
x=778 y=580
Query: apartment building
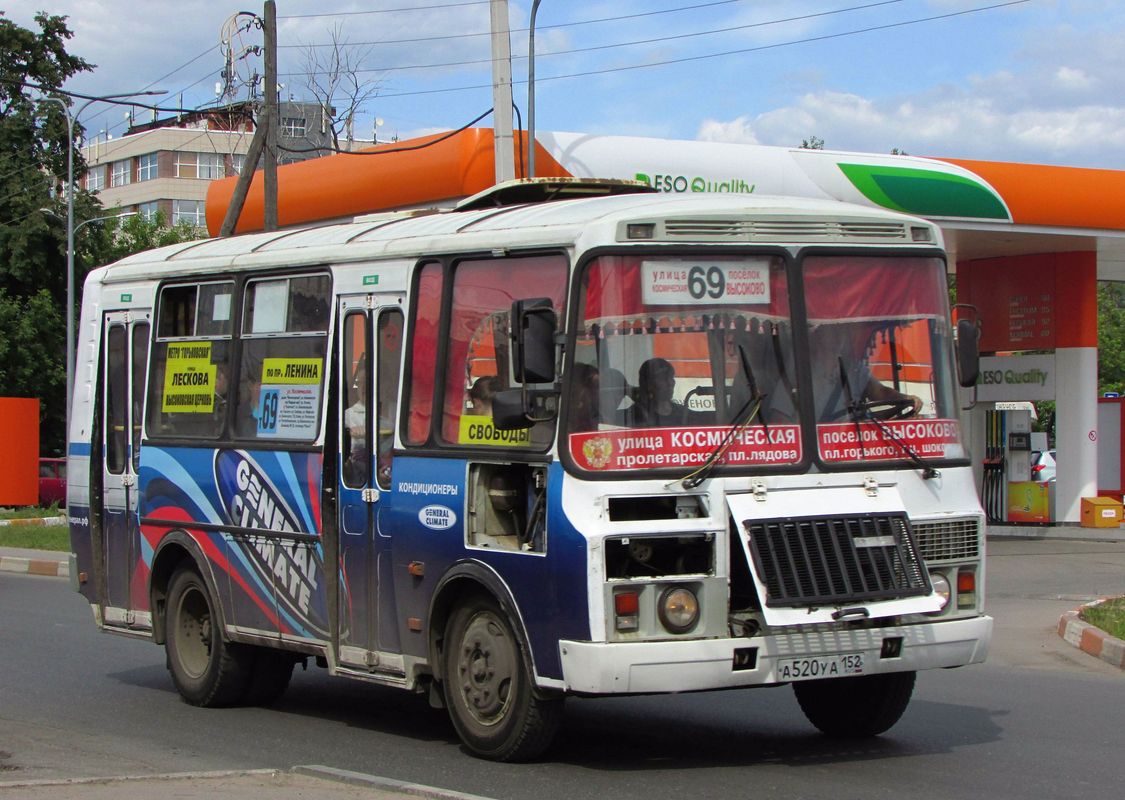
x=166 y=164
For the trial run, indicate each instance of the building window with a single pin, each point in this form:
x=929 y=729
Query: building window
x=294 y=127
x=236 y=162
x=148 y=211
x=95 y=178
x=189 y=211
x=147 y=167
x=207 y=166
x=121 y=172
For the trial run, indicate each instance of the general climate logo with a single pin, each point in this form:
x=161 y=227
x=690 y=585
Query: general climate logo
x=253 y=501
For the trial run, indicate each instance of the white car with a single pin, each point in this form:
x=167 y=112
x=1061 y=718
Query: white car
x=1043 y=466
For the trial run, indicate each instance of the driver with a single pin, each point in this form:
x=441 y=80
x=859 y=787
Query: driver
x=852 y=346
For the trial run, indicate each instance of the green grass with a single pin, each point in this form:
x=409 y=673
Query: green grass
x=1109 y=616
x=55 y=538
x=27 y=512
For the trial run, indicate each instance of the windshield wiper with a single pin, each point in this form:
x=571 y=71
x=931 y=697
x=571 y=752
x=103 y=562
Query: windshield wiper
x=861 y=409
x=750 y=409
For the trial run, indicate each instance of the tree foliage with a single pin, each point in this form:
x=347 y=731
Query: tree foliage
x=1111 y=338
x=34 y=143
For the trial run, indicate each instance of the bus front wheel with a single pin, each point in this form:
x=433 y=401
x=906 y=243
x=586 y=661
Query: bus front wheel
x=858 y=707
x=206 y=670
x=487 y=687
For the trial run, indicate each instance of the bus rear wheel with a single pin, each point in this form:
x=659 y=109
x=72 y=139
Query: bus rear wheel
x=206 y=670
x=858 y=707
x=488 y=690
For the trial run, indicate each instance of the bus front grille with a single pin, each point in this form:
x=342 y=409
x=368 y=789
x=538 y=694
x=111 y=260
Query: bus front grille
x=809 y=561
x=948 y=540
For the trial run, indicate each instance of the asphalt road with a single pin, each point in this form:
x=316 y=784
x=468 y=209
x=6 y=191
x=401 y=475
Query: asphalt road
x=1040 y=719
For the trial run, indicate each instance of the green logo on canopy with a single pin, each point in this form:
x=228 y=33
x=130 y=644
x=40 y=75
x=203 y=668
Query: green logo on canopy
x=924 y=192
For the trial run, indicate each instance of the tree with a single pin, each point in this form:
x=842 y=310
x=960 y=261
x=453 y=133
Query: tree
x=1111 y=338
x=333 y=79
x=812 y=143
x=116 y=239
x=33 y=159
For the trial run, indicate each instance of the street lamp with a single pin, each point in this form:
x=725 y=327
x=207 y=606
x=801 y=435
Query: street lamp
x=70 y=229
x=531 y=92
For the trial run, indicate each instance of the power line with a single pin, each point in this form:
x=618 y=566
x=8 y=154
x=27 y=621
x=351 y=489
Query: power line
x=706 y=56
x=632 y=43
x=518 y=30
x=387 y=10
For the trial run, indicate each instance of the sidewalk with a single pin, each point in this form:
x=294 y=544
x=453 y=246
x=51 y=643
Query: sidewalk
x=301 y=782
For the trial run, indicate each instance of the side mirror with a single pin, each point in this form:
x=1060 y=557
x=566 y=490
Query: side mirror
x=533 y=324
x=968 y=351
x=508 y=412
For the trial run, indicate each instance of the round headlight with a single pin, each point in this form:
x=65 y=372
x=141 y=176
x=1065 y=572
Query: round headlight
x=678 y=609
x=941 y=586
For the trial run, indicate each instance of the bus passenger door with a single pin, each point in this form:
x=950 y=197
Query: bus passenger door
x=371 y=345
x=125 y=340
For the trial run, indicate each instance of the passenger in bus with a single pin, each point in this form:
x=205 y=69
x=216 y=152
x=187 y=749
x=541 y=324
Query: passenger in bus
x=654 y=405
x=612 y=391
x=584 y=412
x=355 y=422
x=480 y=395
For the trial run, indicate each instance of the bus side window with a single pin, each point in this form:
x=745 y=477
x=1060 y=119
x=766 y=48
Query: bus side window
x=284 y=344
x=389 y=346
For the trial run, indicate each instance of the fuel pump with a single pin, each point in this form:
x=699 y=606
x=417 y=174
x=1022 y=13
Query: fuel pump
x=1007 y=492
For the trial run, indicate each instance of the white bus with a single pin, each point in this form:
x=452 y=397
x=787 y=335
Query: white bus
x=609 y=443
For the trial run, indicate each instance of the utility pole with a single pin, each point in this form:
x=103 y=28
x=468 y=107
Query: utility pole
x=265 y=137
x=502 y=92
x=269 y=39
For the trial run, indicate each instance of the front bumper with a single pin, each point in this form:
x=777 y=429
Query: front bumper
x=697 y=664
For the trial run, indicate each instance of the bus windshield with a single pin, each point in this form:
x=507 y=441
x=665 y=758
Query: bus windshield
x=880 y=358
x=673 y=354
x=684 y=360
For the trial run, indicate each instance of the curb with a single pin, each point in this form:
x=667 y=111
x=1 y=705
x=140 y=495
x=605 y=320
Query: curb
x=40 y=522
x=375 y=782
x=1091 y=640
x=35 y=566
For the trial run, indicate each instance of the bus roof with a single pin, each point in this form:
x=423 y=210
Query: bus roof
x=706 y=218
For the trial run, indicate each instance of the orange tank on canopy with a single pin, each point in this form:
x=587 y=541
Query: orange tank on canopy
x=421 y=171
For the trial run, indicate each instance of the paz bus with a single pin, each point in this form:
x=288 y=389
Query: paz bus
x=566 y=439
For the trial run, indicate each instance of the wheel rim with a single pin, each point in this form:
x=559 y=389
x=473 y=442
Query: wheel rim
x=487 y=667
x=193 y=632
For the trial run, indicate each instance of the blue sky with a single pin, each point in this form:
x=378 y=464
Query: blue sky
x=1035 y=81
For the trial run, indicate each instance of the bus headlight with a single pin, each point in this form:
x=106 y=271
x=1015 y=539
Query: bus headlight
x=678 y=609
x=941 y=586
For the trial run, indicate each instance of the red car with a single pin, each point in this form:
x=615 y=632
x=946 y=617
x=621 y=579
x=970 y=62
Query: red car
x=52 y=481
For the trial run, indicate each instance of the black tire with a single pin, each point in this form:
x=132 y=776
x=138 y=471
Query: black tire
x=270 y=673
x=206 y=670
x=487 y=688
x=858 y=707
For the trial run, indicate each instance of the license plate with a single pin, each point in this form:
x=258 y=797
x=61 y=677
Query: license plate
x=807 y=669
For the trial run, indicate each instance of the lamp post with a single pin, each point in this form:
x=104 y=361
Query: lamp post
x=70 y=230
x=531 y=92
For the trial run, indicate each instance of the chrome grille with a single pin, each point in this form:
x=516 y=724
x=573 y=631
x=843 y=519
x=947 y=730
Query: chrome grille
x=830 y=560
x=948 y=540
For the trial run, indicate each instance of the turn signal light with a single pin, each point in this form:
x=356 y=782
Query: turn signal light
x=627 y=608
x=966 y=589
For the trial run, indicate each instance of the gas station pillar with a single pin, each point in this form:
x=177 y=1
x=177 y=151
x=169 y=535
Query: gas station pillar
x=1042 y=302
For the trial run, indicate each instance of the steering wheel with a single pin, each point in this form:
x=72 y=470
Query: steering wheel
x=898 y=408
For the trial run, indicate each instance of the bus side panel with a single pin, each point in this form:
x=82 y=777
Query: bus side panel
x=275 y=583
x=426 y=513
x=79 y=437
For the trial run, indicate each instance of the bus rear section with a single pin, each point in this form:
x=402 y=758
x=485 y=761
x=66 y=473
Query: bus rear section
x=669 y=454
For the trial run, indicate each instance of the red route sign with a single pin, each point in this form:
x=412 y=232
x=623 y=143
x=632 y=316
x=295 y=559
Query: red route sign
x=685 y=448
x=846 y=441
